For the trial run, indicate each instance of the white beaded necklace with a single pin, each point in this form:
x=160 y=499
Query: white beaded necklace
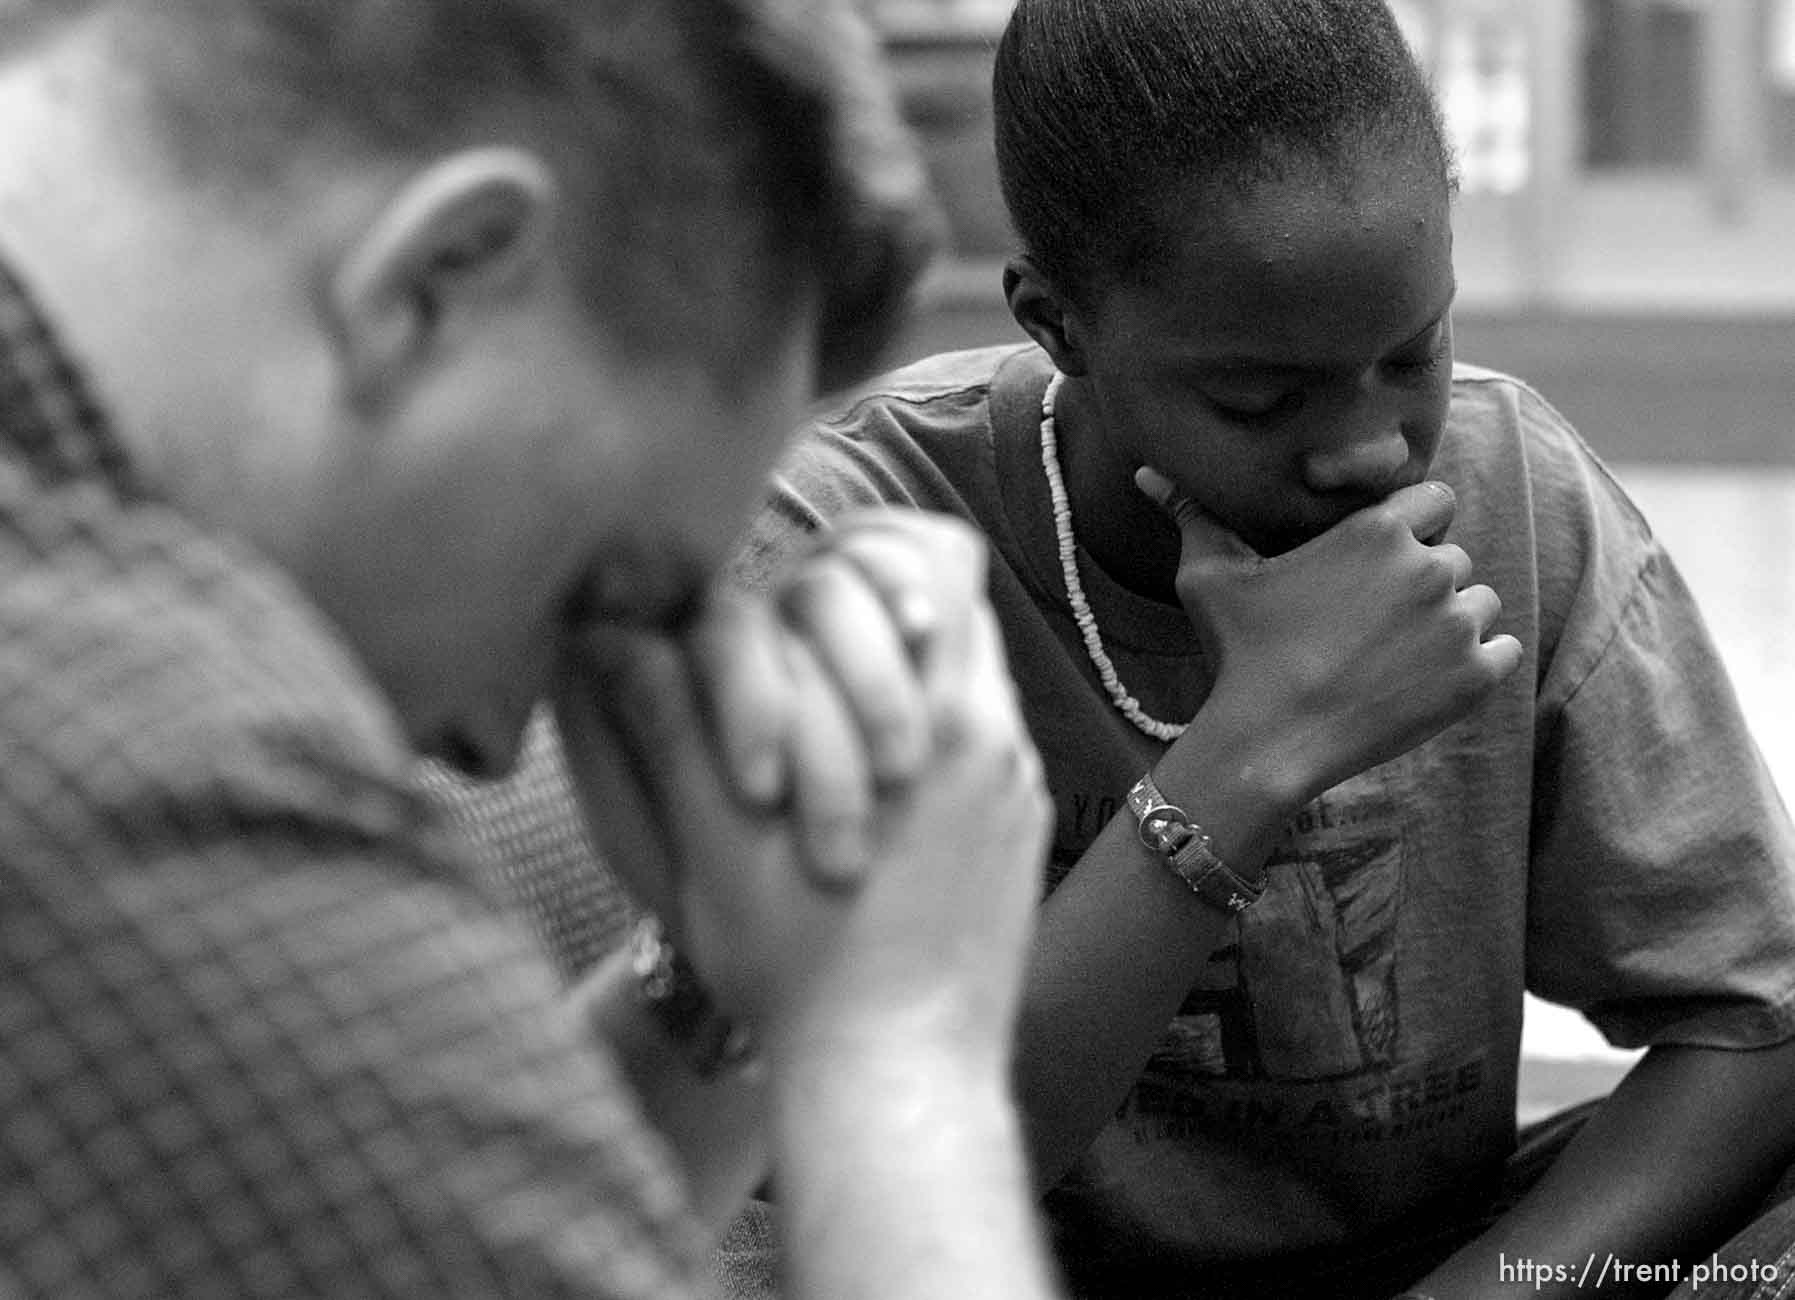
x=1081 y=608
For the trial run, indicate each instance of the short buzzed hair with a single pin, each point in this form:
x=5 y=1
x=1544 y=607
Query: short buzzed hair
x=729 y=152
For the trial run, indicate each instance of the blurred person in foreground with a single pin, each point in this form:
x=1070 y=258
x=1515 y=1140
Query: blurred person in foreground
x=370 y=372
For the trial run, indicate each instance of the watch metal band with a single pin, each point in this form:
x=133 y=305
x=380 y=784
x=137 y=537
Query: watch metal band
x=1169 y=831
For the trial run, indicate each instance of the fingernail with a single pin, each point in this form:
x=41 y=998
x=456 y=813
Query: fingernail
x=1153 y=484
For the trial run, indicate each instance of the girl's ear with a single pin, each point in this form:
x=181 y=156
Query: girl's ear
x=1045 y=314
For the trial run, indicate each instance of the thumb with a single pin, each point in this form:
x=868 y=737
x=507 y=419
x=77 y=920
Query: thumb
x=1202 y=534
x=1427 y=508
x=607 y=779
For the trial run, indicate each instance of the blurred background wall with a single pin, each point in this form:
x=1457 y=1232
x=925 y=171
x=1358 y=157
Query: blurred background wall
x=1625 y=241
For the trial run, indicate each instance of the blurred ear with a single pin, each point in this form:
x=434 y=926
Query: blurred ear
x=470 y=229
x=1045 y=314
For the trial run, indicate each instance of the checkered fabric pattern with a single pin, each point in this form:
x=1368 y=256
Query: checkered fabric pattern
x=531 y=838
x=262 y=1032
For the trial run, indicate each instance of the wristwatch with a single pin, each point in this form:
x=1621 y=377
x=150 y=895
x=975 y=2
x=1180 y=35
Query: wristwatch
x=1169 y=831
x=711 y=1042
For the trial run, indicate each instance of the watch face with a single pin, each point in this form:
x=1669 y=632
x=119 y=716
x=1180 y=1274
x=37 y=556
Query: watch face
x=1168 y=830
x=1165 y=828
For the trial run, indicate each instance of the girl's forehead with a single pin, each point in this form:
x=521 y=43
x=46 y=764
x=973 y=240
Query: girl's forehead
x=1270 y=218
x=1293 y=266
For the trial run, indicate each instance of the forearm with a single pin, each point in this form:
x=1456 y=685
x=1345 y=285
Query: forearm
x=1122 y=941
x=717 y=1128
x=1669 y=1166
x=902 y=1175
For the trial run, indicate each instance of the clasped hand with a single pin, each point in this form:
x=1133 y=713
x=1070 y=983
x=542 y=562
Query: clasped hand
x=828 y=795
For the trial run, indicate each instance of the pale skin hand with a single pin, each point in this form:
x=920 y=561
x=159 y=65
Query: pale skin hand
x=867 y=604
x=727 y=877
x=886 y=1010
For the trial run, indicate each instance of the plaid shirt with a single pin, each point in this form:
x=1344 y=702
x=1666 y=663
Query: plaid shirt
x=261 y=1031
x=531 y=839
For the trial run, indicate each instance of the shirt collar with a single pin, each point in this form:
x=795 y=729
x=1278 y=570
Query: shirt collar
x=48 y=415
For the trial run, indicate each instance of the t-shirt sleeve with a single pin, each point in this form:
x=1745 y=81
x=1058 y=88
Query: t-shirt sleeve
x=1662 y=887
x=825 y=473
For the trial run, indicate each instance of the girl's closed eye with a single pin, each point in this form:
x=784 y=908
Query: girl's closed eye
x=1426 y=358
x=1249 y=407
x=1259 y=410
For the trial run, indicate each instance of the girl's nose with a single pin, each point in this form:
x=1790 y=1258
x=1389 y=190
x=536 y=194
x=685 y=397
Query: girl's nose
x=1367 y=464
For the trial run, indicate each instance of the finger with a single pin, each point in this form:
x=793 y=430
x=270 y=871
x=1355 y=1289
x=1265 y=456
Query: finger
x=1483 y=606
x=928 y=567
x=1455 y=559
x=989 y=674
x=737 y=655
x=621 y=816
x=647 y=697
x=1202 y=534
x=946 y=667
x=1425 y=508
x=976 y=704
x=897 y=564
x=993 y=770
x=831 y=799
x=1502 y=656
x=850 y=632
x=1499 y=655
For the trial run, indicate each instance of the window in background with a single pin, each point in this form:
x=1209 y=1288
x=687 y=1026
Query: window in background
x=1481 y=71
x=1779 y=82
x=1644 y=65
x=1477 y=53
x=1641 y=94
x=1614 y=155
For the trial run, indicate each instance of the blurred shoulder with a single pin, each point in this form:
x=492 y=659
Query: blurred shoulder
x=965 y=375
x=154 y=671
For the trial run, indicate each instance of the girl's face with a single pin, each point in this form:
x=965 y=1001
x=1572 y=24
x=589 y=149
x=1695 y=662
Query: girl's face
x=1290 y=358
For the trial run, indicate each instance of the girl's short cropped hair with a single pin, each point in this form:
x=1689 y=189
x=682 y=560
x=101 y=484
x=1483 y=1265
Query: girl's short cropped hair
x=725 y=153
x=1106 y=109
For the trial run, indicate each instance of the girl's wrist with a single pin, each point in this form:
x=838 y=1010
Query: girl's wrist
x=1238 y=778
